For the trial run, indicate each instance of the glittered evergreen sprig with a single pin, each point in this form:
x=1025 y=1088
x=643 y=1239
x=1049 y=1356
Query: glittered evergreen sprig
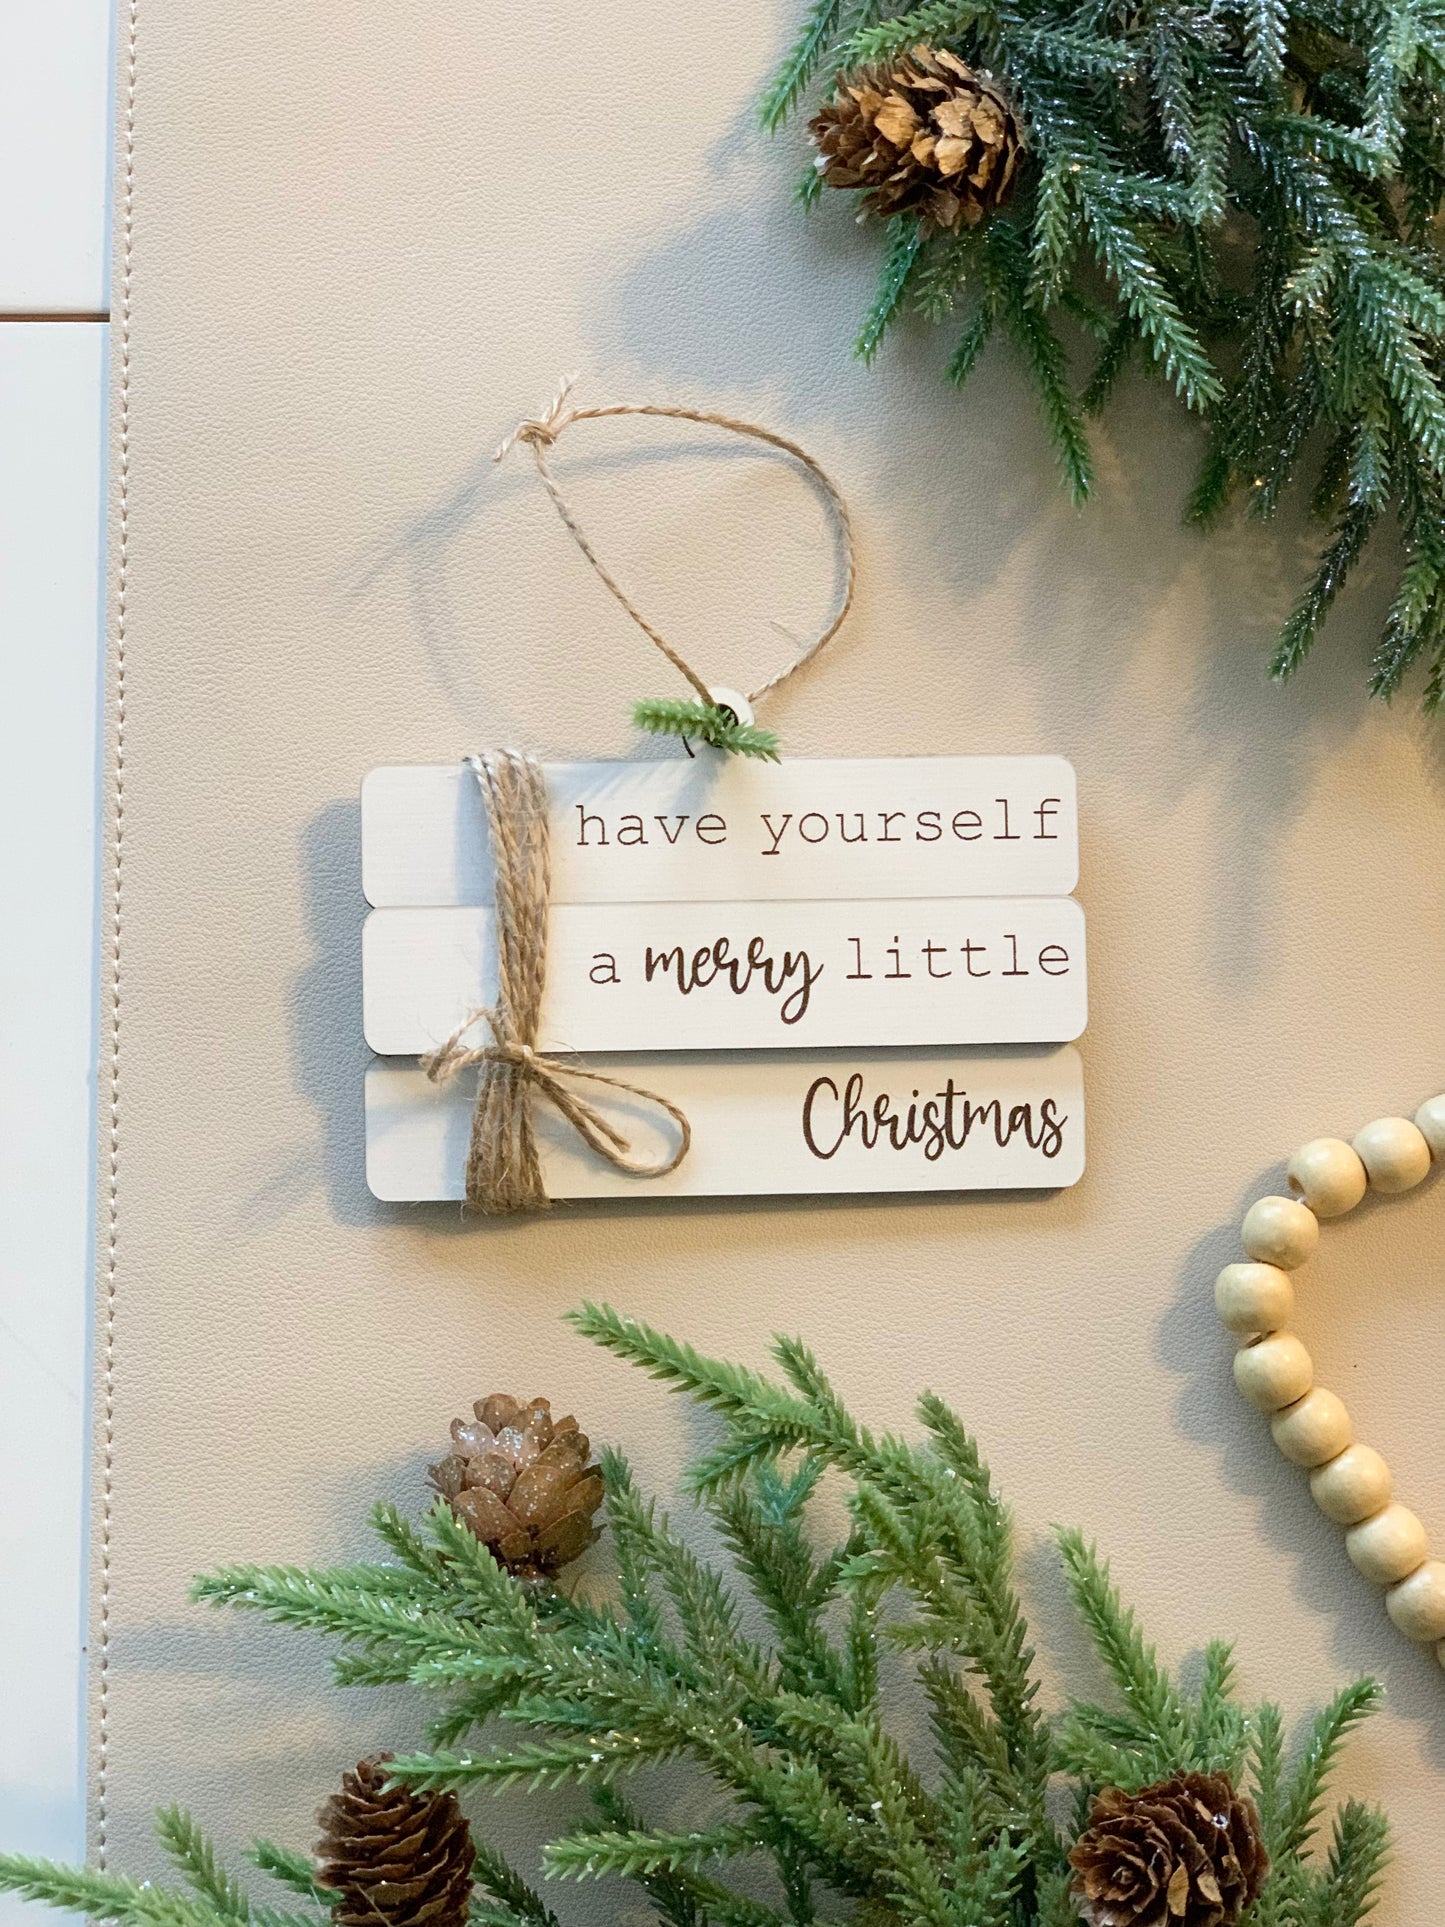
x=1242 y=198
x=775 y=1671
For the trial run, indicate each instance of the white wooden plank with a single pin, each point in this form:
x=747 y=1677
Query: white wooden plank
x=55 y=156
x=52 y=428
x=727 y=829
x=748 y=1114
x=620 y=977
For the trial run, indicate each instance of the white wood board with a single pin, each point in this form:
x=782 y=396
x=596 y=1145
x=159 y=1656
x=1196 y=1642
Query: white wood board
x=52 y=468
x=55 y=156
x=964 y=1121
x=629 y=977
x=731 y=829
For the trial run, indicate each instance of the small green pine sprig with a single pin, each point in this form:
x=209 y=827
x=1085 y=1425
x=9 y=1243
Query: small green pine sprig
x=699 y=722
x=1245 y=199
x=764 y=1671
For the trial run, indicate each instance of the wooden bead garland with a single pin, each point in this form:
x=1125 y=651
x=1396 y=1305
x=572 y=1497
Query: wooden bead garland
x=1350 y=1482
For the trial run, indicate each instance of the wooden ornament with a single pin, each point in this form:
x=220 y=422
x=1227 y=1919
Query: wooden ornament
x=1350 y=1483
x=897 y=935
x=728 y=903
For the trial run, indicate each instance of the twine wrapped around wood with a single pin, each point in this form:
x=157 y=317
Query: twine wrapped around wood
x=504 y=1169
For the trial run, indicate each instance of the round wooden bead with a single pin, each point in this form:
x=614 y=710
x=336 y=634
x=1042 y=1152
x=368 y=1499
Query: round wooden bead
x=1430 y=1122
x=736 y=701
x=1417 y=1604
x=1353 y=1486
x=1274 y=1371
x=1280 y=1231
x=1389 y=1546
x=1328 y=1175
x=1315 y=1429
x=1252 y=1299
x=1394 y=1152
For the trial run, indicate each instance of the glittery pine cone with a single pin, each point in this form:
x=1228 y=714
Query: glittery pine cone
x=521 y=1482
x=1185 y=1852
x=924 y=135
x=396 y=1858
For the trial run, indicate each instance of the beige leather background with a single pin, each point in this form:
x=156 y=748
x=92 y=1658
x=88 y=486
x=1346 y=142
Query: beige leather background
x=364 y=240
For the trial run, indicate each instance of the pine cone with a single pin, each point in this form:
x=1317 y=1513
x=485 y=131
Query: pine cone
x=522 y=1483
x=924 y=135
x=1186 y=1852
x=397 y=1858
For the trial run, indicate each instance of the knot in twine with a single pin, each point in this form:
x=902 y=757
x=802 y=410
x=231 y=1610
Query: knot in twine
x=504 y=1170
x=538 y=430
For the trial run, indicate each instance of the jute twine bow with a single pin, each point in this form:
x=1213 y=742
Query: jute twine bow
x=540 y=434
x=504 y=1171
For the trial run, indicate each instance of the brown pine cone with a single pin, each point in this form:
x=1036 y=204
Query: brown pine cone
x=924 y=134
x=1185 y=1852
x=522 y=1483
x=397 y=1858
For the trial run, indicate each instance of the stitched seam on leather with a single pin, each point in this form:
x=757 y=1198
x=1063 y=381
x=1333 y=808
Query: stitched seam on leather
x=117 y=856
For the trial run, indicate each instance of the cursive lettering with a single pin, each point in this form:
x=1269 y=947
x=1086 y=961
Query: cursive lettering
x=943 y=1121
x=717 y=962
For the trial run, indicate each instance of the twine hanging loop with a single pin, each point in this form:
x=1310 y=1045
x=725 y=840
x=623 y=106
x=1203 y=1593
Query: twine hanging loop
x=540 y=433
x=504 y=1169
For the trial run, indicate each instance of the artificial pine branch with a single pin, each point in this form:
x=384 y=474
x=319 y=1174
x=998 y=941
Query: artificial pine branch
x=1249 y=195
x=1348 y=1888
x=497 y=1878
x=789 y=1726
x=293 y=1870
x=195 y=1858
x=905 y=243
x=1305 y=1795
x=1146 y=1688
x=704 y=723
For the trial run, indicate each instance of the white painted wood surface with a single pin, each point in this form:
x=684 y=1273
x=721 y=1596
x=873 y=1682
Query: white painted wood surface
x=637 y=976
x=729 y=829
x=54 y=158
x=55 y=84
x=763 y=1124
x=744 y=908
x=52 y=387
